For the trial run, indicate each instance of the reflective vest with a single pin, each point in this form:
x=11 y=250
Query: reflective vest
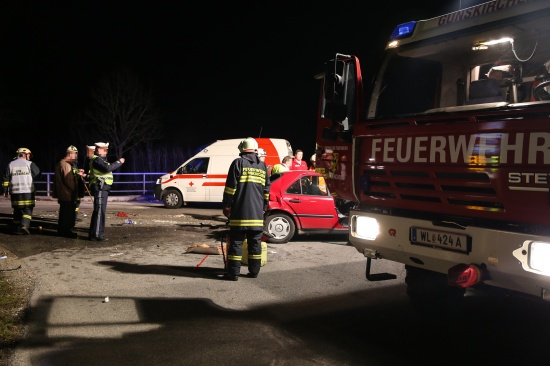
x=21 y=176
x=97 y=175
x=279 y=168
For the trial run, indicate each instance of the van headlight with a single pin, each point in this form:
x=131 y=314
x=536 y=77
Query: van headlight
x=364 y=227
x=534 y=256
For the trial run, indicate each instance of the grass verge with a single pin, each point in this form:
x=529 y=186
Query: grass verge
x=14 y=300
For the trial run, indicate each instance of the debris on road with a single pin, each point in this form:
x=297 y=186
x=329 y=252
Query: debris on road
x=204 y=249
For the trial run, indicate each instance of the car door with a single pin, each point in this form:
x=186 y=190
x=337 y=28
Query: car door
x=312 y=205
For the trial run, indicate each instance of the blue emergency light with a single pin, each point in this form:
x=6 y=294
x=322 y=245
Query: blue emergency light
x=403 y=30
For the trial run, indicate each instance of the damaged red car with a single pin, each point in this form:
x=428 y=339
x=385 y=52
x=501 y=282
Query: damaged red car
x=300 y=203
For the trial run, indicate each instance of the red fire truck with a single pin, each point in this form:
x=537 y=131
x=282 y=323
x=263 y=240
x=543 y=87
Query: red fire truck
x=446 y=155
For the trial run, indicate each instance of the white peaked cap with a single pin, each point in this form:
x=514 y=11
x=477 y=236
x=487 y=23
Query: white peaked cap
x=101 y=144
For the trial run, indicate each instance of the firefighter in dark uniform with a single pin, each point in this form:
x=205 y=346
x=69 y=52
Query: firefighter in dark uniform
x=101 y=180
x=18 y=182
x=85 y=176
x=245 y=200
x=80 y=175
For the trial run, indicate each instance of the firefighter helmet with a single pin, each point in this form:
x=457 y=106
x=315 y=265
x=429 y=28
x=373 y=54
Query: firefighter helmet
x=261 y=152
x=248 y=144
x=23 y=150
x=72 y=148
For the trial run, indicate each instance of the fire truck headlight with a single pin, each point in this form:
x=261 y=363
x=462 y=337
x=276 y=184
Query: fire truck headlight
x=364 y=227
x=534 y=256
x=539 y=256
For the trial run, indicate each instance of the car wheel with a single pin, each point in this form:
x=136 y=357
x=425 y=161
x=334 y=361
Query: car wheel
x=172 y=199
x=280 y=228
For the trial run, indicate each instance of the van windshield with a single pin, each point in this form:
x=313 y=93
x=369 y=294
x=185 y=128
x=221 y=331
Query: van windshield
x=195 y=166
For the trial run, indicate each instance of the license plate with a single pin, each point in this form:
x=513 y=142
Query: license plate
x=440 y=239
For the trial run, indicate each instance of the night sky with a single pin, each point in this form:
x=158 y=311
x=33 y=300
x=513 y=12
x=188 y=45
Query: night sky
x=247 y=68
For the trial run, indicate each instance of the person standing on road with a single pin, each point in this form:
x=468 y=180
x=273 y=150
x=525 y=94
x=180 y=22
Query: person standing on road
x=101 y=180
x=84 y=173
x=284 y=166
x=262 y=154
x=80 y=175
x=245 y=200
x=68 y=180
x=322 y=185
x=90 y=152
x=297 y=163
x=18 y=182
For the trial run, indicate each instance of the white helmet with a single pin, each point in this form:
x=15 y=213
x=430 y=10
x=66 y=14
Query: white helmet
x=248 y=144
x=72 y=148
x=23 y=150
x=261 y=152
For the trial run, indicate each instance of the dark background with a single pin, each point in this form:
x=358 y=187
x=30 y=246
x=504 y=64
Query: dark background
x=217 y=69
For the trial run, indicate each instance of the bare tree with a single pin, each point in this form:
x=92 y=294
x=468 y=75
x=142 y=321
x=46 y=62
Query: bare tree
x=122 y=112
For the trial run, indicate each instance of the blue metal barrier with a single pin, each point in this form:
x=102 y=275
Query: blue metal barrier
x=124 y=183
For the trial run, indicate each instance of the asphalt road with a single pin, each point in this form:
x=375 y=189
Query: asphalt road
x=311 y=304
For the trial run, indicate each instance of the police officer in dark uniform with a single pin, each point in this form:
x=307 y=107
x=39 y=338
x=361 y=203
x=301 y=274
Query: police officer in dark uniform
x=101 y=180
x=245 y=200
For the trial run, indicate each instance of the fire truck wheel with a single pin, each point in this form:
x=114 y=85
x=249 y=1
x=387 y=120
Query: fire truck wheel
x=172 y=199
x=280 y=227
x=428 y=290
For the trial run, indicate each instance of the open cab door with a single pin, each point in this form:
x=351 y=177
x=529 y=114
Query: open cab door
x=340 y=106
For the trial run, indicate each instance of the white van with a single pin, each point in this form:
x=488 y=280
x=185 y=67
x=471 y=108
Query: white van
x=202 y=177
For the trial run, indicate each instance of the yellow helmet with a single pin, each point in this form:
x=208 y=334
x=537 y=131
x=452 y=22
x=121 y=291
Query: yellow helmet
x=23 y=150
x=72 y=148
x=248 y=144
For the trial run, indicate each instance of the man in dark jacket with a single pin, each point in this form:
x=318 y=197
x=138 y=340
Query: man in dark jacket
x=245 y=200
x=101 y=180
x=18 y=182
x=67 y=182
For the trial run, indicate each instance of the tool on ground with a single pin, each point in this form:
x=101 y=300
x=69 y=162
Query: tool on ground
x=223 y=250
x=10 y=269
x=197 y=267
x=87 y=190
x=226 y=237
